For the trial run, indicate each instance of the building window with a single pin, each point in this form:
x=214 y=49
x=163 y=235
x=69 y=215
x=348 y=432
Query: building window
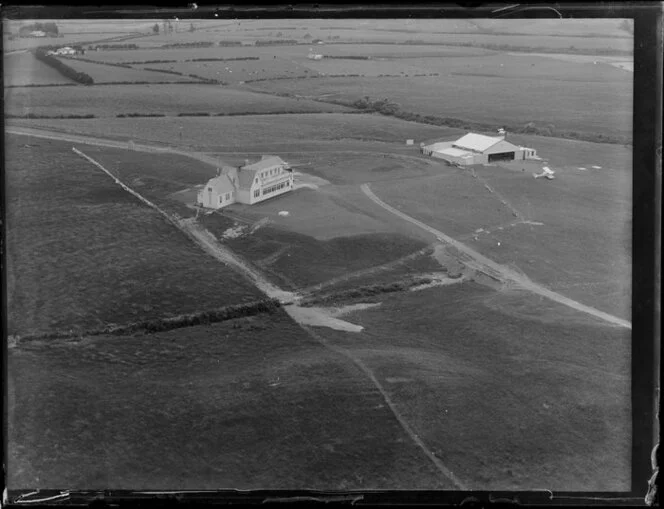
x=220 y=200
x=228 y=196
x=257 y=193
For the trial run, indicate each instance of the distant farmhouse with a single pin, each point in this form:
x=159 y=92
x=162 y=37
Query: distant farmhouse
x=478 y=149
x=249 y=184
x=66 y=50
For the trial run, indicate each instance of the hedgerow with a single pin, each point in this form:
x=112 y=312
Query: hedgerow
x=112 y=47
x=62 y=68
x=34 y=115
x=203 y=44
x=220 y=59
x=389 y=108
x=167 y=71
x=133 y=115
x=275 y=42
x=365 y=291
x=165 y=324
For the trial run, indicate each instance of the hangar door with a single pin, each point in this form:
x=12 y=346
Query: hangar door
x=501 y=156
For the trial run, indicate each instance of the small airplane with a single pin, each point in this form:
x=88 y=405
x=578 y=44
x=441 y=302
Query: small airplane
x=547 y=173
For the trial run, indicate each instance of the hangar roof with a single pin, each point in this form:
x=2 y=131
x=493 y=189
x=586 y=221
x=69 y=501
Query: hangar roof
x=478 y=142
x=455 y=152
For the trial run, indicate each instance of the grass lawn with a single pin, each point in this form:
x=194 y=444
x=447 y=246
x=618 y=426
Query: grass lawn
x=112 y=100
x=297 y=260
x=83 y=253
x=253 y=403
x=511 y=393
x=26 y=69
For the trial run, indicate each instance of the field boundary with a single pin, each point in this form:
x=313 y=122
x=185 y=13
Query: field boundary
x=163 y=324
x=391 y=405
x=205 y=240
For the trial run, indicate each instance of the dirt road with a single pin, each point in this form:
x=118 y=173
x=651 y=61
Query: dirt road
x=481 y=263
x=105 y=142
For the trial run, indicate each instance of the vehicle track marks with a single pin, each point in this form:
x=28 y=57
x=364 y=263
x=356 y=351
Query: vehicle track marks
x=481 y=263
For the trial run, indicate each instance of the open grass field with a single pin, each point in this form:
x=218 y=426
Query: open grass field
x=453 y=200
x=604 y=107
x=24 y=69
x=108 y=74
x=241 y=132
x=509 y=393
x=153 y=99
x=286 y=251
x=583 y=246
x=352 y=163
x=82 y=253
x=247 y=404
x=319 y=215
x=238 y=71
x=510 y=66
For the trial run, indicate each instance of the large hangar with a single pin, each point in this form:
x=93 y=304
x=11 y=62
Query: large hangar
x=478 y=149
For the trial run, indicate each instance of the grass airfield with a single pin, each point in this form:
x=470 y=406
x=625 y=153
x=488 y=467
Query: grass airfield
x=456 y=383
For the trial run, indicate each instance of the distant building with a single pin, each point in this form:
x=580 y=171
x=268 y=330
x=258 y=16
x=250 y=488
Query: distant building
x=65 y=51
x=249 y=184
x=315 y=56
x=478 y=149
x=37 y=33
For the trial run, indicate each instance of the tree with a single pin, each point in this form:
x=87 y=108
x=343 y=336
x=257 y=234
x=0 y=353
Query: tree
x=155 y=28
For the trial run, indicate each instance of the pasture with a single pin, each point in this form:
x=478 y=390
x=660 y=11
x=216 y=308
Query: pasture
x=237 y=71
x=110 y=101
x=110 y=74
x=509 y=66
x=25 y=69
x=252 y=133
x=253 y=403
x=605 y=107
x=533 y=393
x=83 y=253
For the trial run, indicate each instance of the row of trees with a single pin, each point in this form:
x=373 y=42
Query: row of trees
x=168 y=28
x=62 y=68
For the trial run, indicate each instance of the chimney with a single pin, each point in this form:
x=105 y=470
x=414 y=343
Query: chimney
x=218 y=171
x=246 y=162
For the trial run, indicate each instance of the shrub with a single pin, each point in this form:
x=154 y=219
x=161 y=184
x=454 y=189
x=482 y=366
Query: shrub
x=132 y=115
x=202 y=44
x=33 y=115
x=167 y=71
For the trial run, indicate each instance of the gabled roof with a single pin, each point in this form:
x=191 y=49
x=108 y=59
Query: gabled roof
x=220 y=185
x=455 y=152
x=478 y=142
x=246 y=178
x=265 y=163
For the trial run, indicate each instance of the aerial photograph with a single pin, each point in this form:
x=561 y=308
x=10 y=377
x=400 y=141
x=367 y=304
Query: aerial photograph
x=318 y=254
